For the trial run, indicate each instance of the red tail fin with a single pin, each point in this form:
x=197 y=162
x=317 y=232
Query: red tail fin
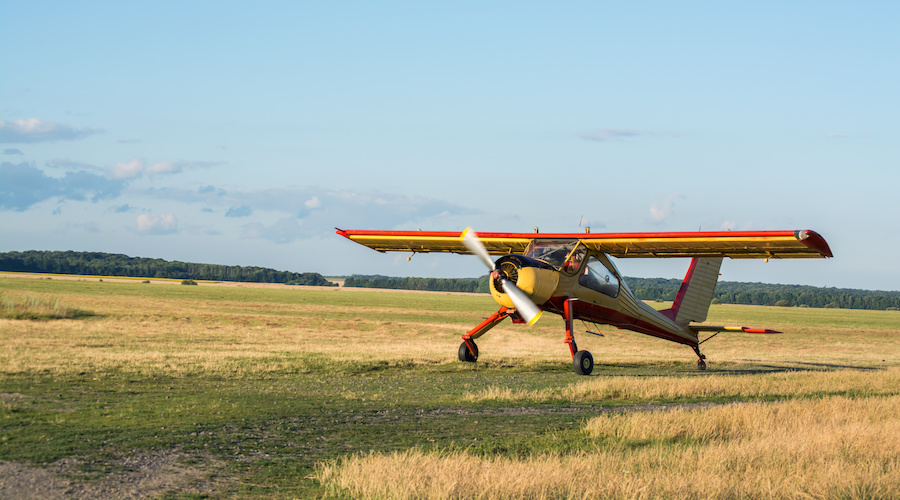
x=696 y=292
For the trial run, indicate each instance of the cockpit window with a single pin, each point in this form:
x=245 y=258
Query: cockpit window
x=565 y=255
x=597 y=276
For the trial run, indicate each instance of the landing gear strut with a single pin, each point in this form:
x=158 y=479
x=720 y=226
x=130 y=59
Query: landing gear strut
x=468 y=351
x=582 y=361
x=701 y=362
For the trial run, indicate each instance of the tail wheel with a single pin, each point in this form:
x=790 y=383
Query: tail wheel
x=583 y=363
x=466 y=355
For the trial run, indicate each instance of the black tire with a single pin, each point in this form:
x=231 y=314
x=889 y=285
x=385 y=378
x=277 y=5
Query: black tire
x=701 y=365
x=465 y=355
x=583 y=363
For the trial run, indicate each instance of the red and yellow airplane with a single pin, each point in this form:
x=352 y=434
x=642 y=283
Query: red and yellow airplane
x=571 y=274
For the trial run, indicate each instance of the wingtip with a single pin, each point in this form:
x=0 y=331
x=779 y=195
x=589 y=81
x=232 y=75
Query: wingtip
x=814 y=240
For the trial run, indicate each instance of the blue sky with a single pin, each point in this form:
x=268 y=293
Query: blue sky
x=243 y=133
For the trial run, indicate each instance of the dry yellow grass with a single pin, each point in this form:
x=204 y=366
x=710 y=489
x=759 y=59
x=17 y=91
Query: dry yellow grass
x=781 y=384
x=822 y=445
x=152 y=336
x=830 y=448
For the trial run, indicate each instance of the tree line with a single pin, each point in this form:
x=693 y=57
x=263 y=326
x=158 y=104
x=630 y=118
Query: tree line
x=731 y=292
x=666 y=289
x=474 y=285
x=106 y=264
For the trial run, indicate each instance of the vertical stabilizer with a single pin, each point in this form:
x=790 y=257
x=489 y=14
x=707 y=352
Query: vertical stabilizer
x=696 y=292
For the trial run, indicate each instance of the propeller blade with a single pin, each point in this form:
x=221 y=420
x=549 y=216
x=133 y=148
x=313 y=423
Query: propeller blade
x=524 y=305
x=471 y=241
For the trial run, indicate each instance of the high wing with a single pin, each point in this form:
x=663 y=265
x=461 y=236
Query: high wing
x=802 y=243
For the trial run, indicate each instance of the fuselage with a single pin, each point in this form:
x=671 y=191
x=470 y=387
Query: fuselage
x=553 y=272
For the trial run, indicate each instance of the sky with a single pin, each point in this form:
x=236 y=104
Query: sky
x=243 y=133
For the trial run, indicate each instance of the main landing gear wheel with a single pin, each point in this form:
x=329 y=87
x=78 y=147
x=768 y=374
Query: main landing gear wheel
x=701 y=361
x=583 y=363
x=466 y=355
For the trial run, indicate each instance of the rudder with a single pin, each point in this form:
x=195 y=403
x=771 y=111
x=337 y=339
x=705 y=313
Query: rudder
x=696 y=292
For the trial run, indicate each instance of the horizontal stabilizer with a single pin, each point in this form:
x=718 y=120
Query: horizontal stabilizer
x=710 y=328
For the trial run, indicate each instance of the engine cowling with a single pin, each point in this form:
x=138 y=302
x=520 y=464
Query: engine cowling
x=537 y=279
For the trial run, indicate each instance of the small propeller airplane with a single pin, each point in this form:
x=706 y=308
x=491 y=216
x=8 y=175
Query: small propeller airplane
x=571 y=274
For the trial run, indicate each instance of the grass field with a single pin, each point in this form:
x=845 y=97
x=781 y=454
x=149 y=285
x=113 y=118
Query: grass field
x=214 y=391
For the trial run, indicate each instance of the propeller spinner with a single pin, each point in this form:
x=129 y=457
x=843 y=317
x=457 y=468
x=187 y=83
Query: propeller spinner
x=526 y=308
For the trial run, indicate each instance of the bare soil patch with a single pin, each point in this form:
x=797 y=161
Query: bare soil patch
x=140 y=476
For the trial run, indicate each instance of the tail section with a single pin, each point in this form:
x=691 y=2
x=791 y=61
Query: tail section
x=696 y=292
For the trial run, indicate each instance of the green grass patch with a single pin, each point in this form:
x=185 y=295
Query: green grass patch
x=29 y=306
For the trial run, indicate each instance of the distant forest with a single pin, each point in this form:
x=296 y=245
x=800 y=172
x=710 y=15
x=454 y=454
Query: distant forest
x=666 y=289
x=730 y=292
x=476 y=285
x=106 y=264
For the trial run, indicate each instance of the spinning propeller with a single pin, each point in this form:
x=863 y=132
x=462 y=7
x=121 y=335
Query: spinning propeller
x=524 y=305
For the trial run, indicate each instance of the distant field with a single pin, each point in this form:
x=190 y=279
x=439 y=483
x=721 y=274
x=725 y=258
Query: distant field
x=290 y=392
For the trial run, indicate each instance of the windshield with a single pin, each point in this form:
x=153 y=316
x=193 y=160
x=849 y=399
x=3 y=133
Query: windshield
x=561 y=254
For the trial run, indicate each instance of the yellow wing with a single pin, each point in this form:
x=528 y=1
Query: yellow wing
x=735 y=244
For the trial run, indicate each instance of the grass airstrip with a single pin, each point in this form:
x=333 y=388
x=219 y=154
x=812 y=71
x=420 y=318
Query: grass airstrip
x=137 y=389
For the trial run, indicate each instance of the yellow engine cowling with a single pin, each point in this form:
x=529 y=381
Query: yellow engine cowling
x=538 y=283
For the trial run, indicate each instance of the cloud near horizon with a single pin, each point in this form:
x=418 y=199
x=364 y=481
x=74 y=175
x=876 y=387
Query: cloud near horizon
x=157 y=224
x=613 y=134
x=24 y=185
x=309 y=212
x=35 y=130
x=136 y=168
x=241 y=211
x=321 y=209
x=285 y=230
x=297 y=212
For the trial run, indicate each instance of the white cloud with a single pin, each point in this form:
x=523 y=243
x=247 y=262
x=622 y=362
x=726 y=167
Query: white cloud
x=311 y=212
x=285 y=230
x=35 y=130
x=612 y=134
x=664 y=209
x=137 y=168
x=157 y=224
x=24 y=185
x=127 y=169
x=165 y=167
x=241 y=211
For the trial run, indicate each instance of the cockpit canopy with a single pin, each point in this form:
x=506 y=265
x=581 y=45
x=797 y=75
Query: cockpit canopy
x=564 y=255
x=567 y=256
